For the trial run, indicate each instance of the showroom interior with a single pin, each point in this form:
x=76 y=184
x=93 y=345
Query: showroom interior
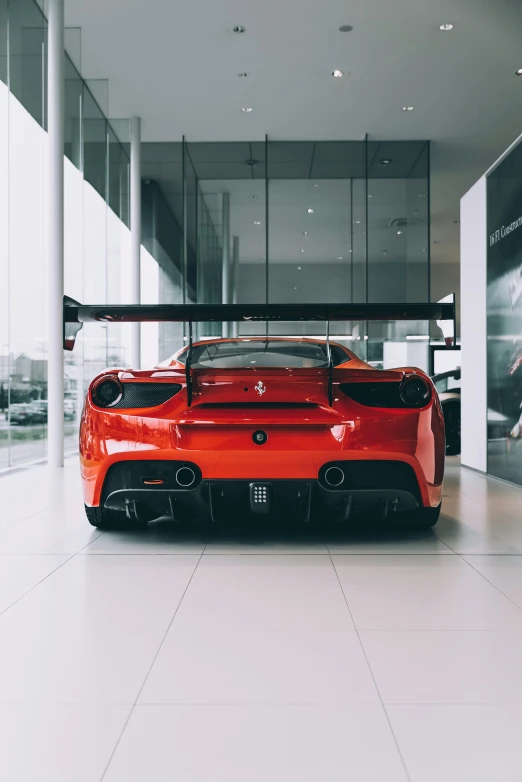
x=302 y=159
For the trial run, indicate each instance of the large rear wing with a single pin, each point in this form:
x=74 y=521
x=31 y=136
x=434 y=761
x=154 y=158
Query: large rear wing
x=76 y=314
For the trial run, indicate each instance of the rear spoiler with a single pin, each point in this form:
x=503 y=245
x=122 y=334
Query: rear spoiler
x=76 y=314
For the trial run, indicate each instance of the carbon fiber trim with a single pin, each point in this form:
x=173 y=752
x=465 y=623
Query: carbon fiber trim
x=146 y=394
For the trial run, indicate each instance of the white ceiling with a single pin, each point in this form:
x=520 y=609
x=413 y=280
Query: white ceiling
x=176 y=66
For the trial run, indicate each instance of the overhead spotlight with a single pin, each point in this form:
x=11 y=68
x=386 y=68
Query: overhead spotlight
x=339 y=257
x=357 y=222
x=247 y=109
x=299 y=268
x=385 y=161
x=257 y=222
x=310 y=211
x=305 y=233
x=337 y=73
x=407 y=108
x=519 y=72
x=446 y=26
x=346 y=28
x=301 y=250
x=243 y=75
x=239 y=28
x=399 y=233
x=369 y=196
x=316 y=185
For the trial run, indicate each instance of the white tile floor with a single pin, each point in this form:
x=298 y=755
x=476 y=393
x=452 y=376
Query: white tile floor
x=201 y=657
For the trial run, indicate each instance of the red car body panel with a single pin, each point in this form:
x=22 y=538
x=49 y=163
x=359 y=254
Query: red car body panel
x=304 y=431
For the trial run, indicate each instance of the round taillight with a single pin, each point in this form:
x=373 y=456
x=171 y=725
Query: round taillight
x=415 y=391
x=107 y=391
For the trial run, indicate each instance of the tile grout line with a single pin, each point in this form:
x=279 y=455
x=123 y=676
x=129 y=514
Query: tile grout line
x=45 y=577
x=370 y=669
x=461 y=557
x=150 y=668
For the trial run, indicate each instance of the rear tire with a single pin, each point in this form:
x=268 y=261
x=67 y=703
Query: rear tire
x=104 y=519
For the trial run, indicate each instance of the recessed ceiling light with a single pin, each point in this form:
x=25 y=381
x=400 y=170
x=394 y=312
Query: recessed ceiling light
x=243 y=75
x=385 y=161
x=247 y=109
x=337 y=73
x=239 y=28
x=519 y=72
x=446 y=26
x=339 y=257
x=295 y=287
x=369 y=196
x=299 y=268
x=357 y=222
x=346 y=28
x=301 y=250
x=257 y=222
x=407 y=108
x=316 y=185
x=310 y=211
x=399 y=233
x=305 y=233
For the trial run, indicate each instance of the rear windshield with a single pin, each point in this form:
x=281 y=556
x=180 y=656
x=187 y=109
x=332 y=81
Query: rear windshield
x=263 y=353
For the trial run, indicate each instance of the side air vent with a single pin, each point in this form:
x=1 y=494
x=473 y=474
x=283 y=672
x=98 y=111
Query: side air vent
x=146 y=394
x=374 y=394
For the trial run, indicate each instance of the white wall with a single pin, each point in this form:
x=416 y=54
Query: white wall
x=473 y=269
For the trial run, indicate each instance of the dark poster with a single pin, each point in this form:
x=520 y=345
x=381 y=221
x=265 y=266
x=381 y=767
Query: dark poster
x=504 y=318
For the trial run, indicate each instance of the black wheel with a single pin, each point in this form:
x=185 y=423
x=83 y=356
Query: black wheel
x=422 y=518
x=451 y=412
x=104 y=519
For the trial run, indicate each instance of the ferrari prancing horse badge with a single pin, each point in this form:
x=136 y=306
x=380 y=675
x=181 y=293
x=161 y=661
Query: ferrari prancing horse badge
x=260 y=388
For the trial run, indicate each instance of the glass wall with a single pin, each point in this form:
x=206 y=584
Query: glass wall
x=315 y=221
x=96 y=238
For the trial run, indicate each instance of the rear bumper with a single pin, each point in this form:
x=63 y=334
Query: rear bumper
x=148 y=489
x=261 y=466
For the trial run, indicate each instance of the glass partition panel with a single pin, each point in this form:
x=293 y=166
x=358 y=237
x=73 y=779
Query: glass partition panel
x=95 y=144
x=398 y=221
x=232 y=225
x=27 y=285
x=117 y=176
x=27 y=68
x=73 y=114
x=5 y=359
x=3 y=41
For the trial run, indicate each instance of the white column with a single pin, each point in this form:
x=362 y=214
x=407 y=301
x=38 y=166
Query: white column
x=55 y=241
x=473 y=328
x=235 y=279
x=135 y=224
x=225 y=296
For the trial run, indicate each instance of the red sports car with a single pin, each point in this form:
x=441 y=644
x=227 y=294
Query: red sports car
x=236 y=429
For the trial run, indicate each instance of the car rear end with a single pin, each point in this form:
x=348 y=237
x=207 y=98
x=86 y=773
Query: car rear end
x=263 y=441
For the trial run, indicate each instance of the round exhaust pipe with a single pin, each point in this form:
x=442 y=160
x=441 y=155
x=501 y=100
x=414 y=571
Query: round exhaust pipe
x=185 y=477
x=334 y=477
